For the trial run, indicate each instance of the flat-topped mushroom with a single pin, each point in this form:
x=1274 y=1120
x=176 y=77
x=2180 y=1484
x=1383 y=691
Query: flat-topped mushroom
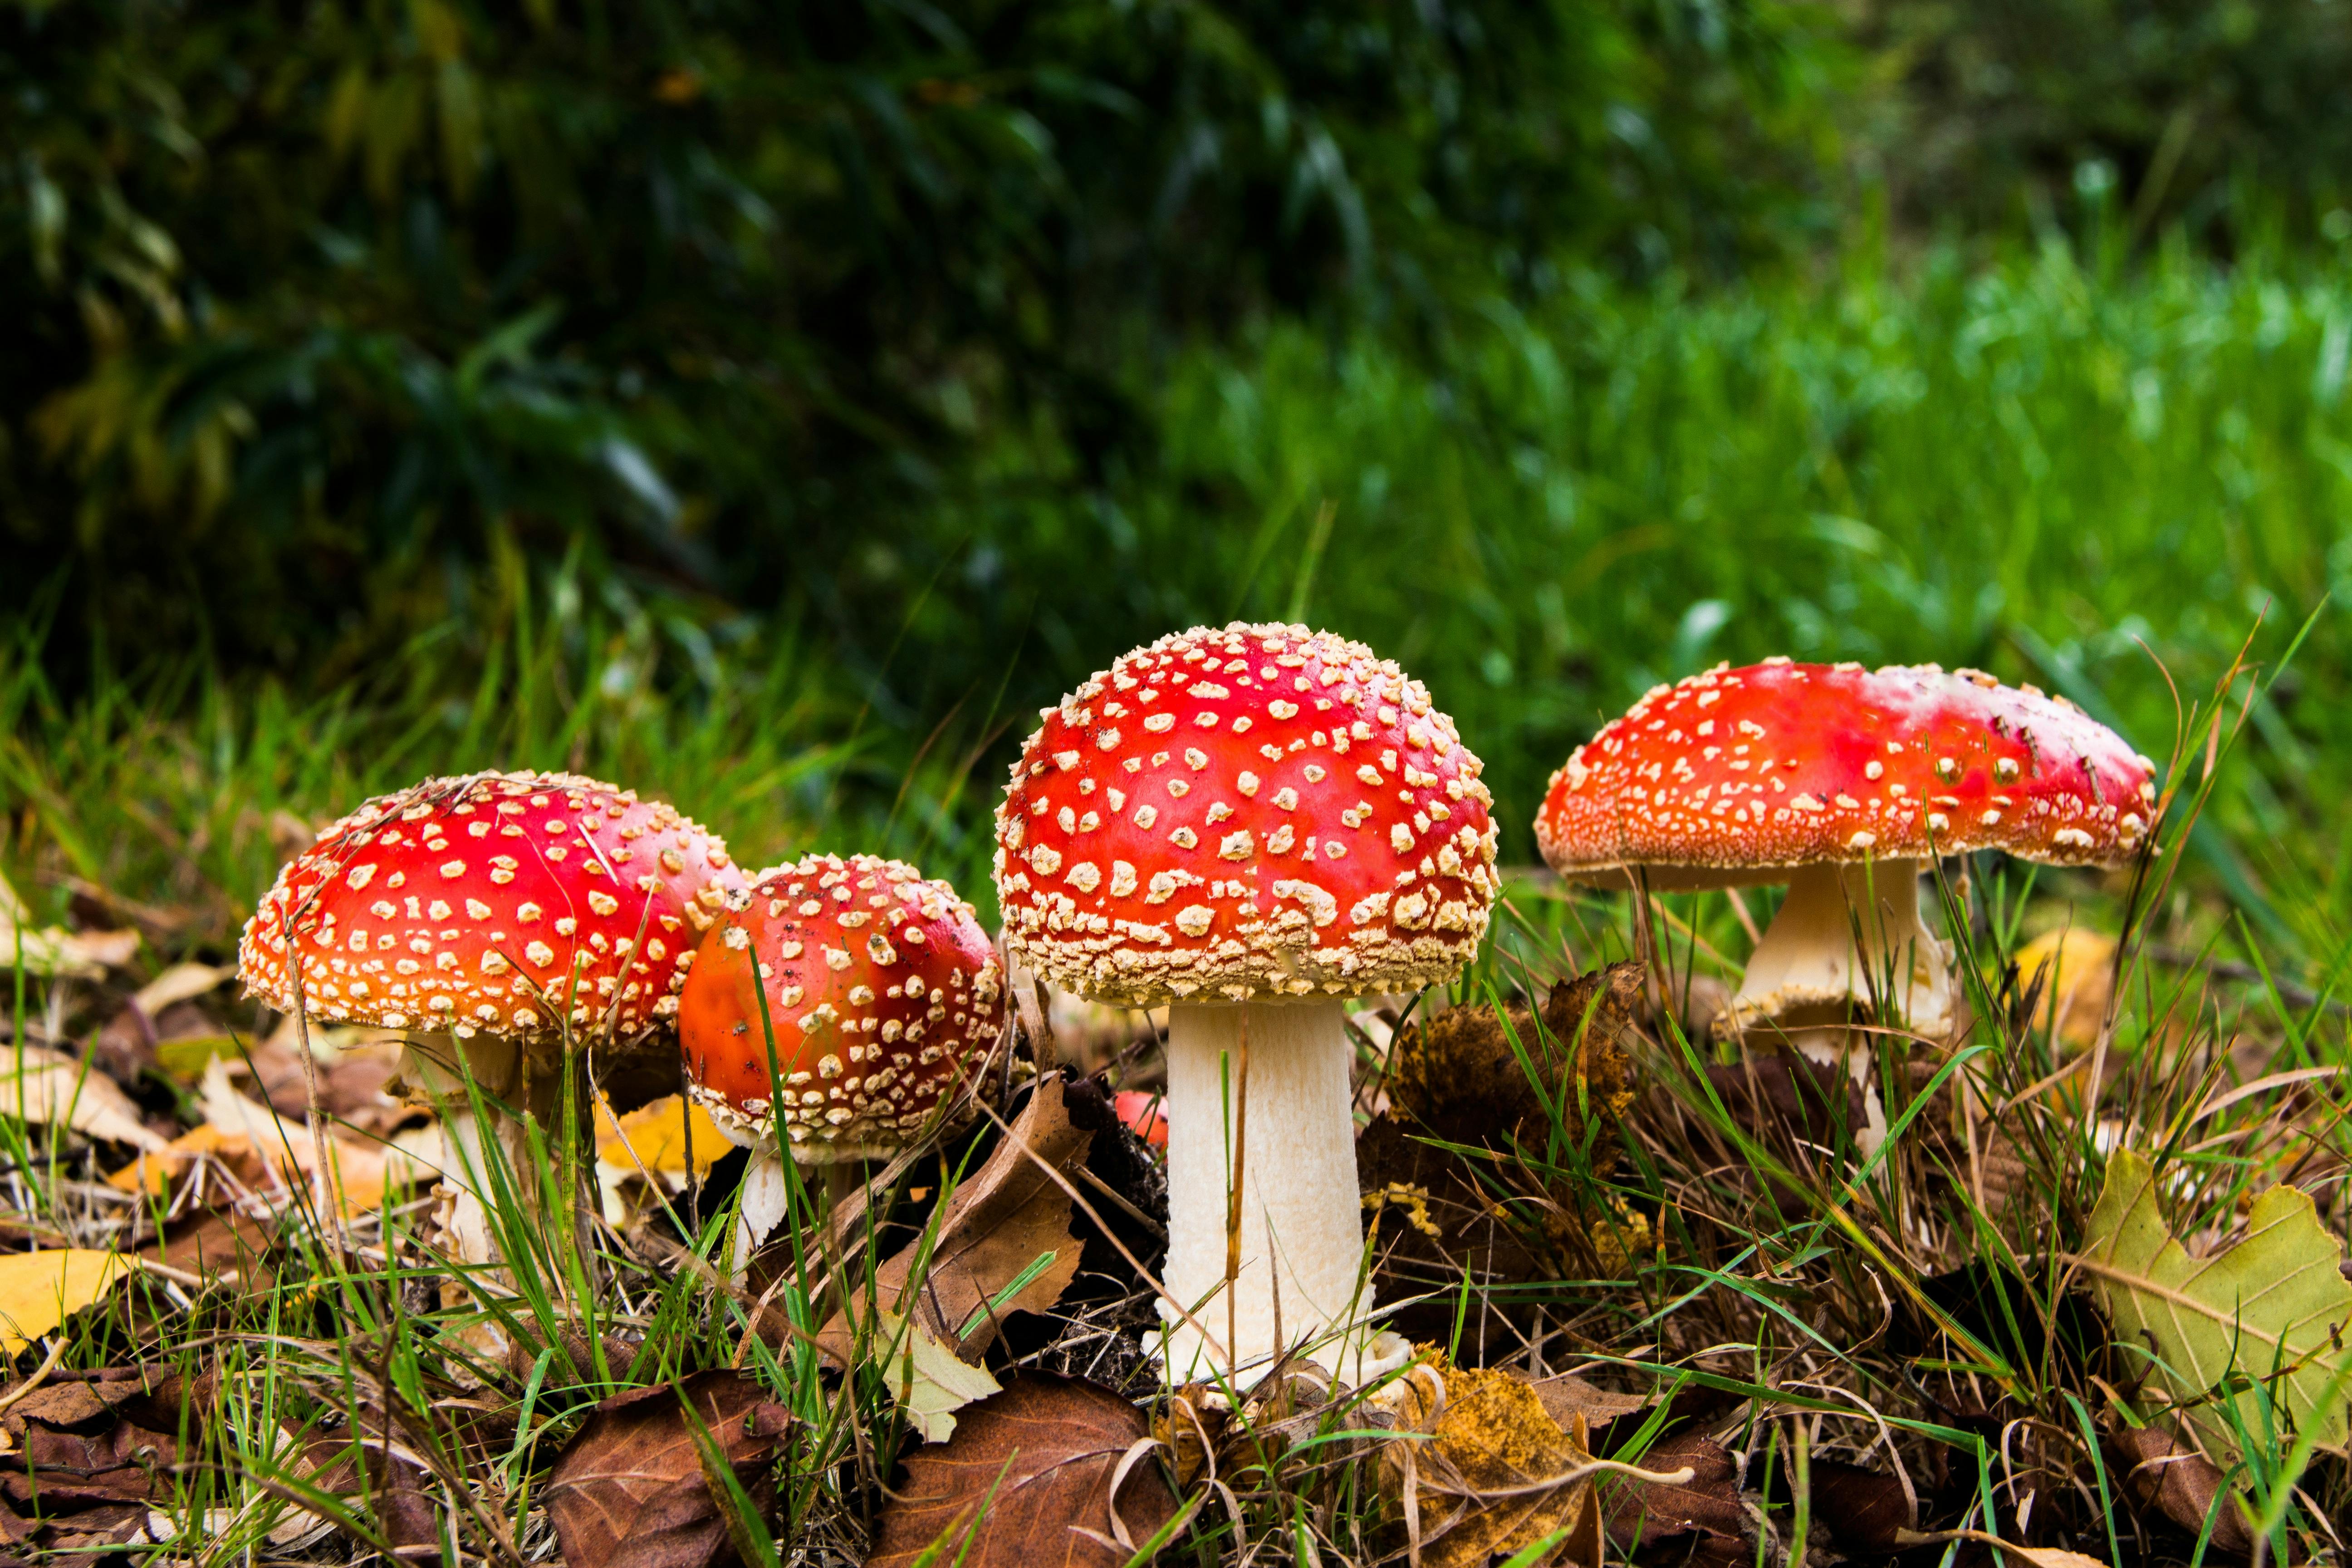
x=497 y=916
x=886 y=1003
x=1252 y=824
x=1841 y=782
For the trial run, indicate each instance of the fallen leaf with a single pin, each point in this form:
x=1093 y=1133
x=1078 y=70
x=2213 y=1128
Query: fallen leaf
x=1001 y=1222
x=1864 y=1510
x=39 y=1290
x=2075 y=968
x=927 y=1377
x=2183 y=1486
x=630 y=1489
x=49 y=1086
x=180 y=982
x=1703 y=1512
x=215 y=1242
x=653 y=1140
x=1026 y=1483
x=254 y=1137
x=1566 y=1398
x=658 y=1136
x=2268 y=1309
x=1495 y=1475
x=91 y=1446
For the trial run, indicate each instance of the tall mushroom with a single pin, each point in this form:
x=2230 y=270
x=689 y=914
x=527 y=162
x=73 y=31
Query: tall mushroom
x=886 y=1003
x=497 y=918
x=1251 y=824
x=1842 y=783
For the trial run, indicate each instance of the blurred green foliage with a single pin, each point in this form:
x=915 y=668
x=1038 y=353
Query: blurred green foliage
x=2224 y=119
x=315 y=303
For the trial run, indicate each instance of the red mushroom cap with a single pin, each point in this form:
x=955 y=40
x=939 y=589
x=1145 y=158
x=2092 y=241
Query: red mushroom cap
x=1256 y=811
x=1781 y=765
x=883 y=993
x=459 y=904
x=1146 y=1115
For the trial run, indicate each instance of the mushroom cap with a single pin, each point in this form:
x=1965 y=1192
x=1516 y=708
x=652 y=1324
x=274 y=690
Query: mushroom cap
x=467 y=905
x=1731 y=775
x=884 y=994
x=1250 y=812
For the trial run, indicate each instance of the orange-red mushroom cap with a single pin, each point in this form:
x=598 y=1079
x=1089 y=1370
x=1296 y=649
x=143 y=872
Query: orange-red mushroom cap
x=487 y=904
x=1734 y=774
x=884 y=994
x=1250 y=812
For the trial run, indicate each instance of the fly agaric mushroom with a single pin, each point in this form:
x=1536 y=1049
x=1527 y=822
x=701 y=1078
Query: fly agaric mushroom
x=886 y=1003
x=1251 y=824
x=1842 y=783
x=495 y=917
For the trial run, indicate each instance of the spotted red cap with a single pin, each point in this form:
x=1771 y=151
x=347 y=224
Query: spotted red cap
x=883 y=993
x=1784 y=764
x=1256 y=811
x=462 y=903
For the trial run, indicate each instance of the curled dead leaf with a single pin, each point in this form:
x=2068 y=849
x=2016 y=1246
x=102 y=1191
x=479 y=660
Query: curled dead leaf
x=1029 y=1480
x=631 y=1490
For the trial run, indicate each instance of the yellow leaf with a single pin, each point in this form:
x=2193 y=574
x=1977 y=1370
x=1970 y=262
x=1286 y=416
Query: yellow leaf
x=51 y=1088
x=1475 y=1490
x=2080 y=976
x=657 y=1134
x=927 y=1377
x=39 y=1290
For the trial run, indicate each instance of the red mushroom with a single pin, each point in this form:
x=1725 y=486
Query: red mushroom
x=1145 y=1115
x=886 y=1003
x=1251 y=824
x=496 y=917
x=1841 y=782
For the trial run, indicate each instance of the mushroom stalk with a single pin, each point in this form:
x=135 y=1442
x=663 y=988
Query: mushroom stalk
x=1277 y=1107
x=1808 y=975
x=431 y=1064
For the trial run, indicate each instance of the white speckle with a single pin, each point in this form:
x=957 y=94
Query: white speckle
x=1193 y=919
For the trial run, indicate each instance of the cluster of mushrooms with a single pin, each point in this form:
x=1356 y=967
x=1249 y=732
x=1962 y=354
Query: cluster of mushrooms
x=1250 y=825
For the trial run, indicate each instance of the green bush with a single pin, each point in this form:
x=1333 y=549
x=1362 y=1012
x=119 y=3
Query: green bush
x=317 y=302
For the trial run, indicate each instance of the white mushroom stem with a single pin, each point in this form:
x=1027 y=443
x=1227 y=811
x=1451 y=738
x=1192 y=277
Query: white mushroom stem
x=1284 y=1122
x=767 y=1197
x=431 y=1066
x=1809 y=973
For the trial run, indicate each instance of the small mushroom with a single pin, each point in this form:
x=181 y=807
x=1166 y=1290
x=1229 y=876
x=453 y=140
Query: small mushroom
x=495 y=918
x=886 y=1004
x=1842 y=783
x=1251 y=824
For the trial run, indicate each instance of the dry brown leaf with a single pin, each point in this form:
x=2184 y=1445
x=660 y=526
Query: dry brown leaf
x=1001 y=1221
x=1494 y=1476
x=2182 y=1485
x=49 y=1086
x=1702 y=1518
x=1865 y=1511
x=1035 y=1463
x=1566 y=1398
x=87 y=1446
x=630 y=1489
x=39 y=1290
